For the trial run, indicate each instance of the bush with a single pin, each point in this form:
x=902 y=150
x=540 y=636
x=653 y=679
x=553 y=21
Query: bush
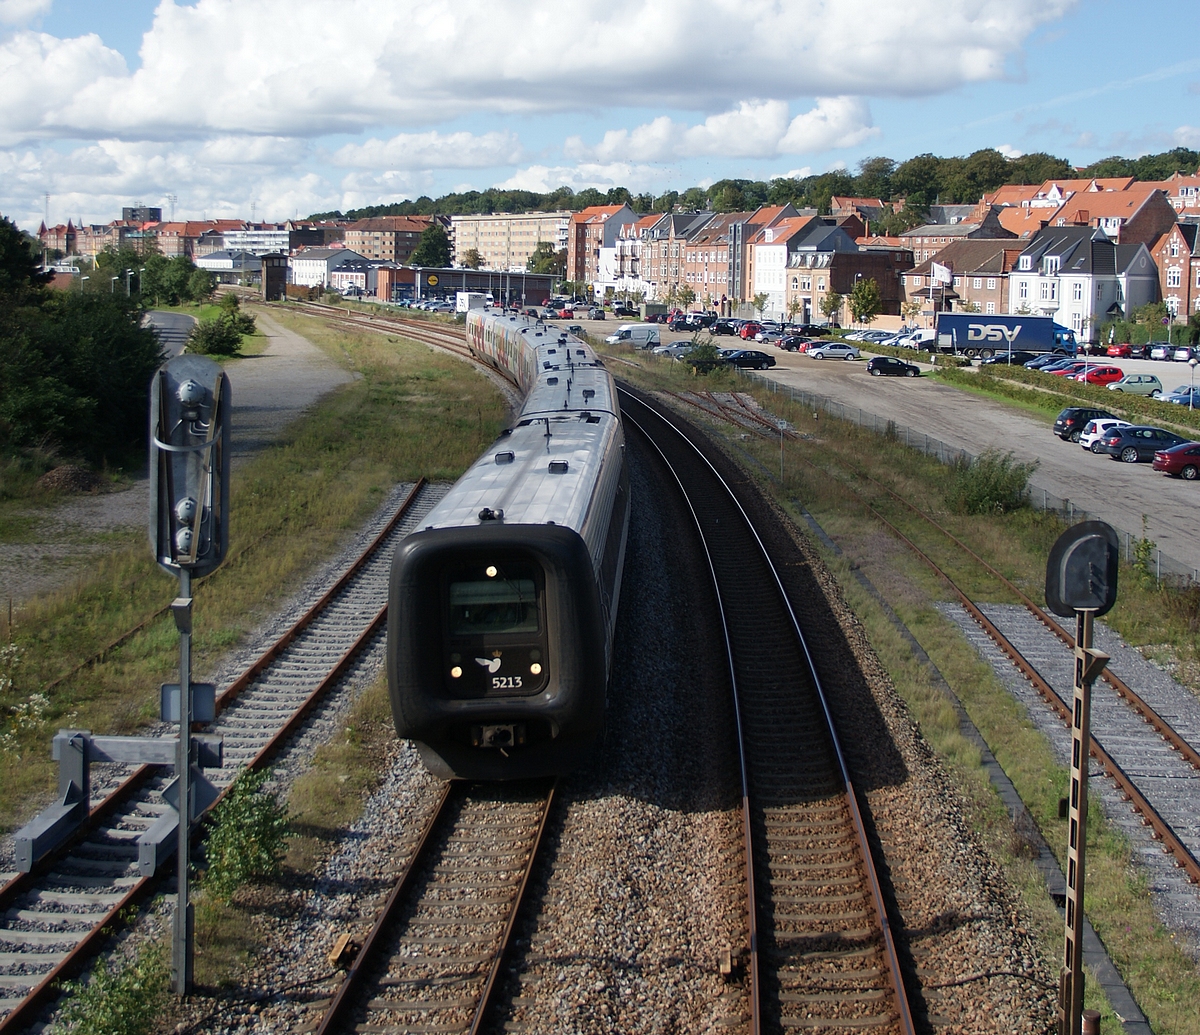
x=249 y=836
x=220 y=337
x=127 y=1001
x=992 y=483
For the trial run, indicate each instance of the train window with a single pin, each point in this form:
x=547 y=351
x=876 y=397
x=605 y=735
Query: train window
x=559 y=466
x=498 y=605
x=506 y=457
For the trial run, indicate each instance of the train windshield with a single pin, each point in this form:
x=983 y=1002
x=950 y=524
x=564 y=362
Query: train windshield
x=496 y=605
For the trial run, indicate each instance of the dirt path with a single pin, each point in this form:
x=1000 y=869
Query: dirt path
x=269 y=391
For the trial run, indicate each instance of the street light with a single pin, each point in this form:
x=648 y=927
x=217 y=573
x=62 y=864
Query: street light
x=112 y=286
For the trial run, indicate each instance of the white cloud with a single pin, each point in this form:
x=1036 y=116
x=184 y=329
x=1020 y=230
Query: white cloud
x=545 y=178
x=21 y=12
x=1187 y=136
x=289 y=68
x=433 y=151
x=1009 y=151
x=755 y=129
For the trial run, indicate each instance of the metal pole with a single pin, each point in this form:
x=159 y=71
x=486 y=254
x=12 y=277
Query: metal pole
x=181 y=936
x=1070 y=995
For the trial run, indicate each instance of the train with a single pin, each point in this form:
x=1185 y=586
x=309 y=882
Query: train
x=502 y=607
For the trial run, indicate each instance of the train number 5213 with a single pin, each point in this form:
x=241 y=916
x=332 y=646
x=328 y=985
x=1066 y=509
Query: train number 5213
x=506 y=682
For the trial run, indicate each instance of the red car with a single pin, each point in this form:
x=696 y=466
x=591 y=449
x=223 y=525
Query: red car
x=1100 y=375
x=1071 y=371
x=566 y=314
x=749 y=330
x=1125 y=351
x=1181 y=461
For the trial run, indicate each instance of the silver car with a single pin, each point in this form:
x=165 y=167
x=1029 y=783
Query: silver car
x=834 y=350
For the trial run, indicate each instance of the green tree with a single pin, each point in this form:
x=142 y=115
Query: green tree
x=200 y=285
x=434 y=249
x=969 y=307
x=874 y=178
x=21 y=278
x=694 y=199
x=760 y=302
x=544 y=259
x=831 y=306
x=1039 y=167
x=865 y=302
x=219 y=337
x=793 y=307
x=472 y=260
x=685 y=296
x=666 y=202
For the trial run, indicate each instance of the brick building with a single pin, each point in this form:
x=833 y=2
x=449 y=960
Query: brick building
x=386 y=238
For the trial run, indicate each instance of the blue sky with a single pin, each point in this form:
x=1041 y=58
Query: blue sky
x=293 y=106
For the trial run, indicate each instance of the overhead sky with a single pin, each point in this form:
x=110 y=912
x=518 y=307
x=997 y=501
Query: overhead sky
x=285 y=107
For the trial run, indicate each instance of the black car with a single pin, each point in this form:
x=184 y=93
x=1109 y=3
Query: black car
x=625 y=310
x=892 y=367
x=1137 y=443
x=749 y=358
x=811 y=330
x=793 y=342
x=1069 y=424
x=1019 y=356
x=725 y=326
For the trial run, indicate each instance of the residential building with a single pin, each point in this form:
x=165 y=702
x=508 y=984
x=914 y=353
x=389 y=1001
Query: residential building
x=232 y=267
x=174 y=239
x=505 y=241
x=1139 y=215
x=312 y=267
x=926 y=241
x=711 y=260
x=590 y=230
x=663 y=251
x=1183 y=192
x=59 y=238
x=621 y=268
x=386 y=238
x=760 y=219
x=980 y=269
x=1177 y=256
x=1082 y=278
x=141 y=214
x=826 y=263
x=773 y=247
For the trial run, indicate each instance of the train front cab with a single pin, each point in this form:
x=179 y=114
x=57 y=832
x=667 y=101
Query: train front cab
x=496 y=652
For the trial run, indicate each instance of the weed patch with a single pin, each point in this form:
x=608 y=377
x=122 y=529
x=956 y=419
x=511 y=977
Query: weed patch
x=120 y=999
x=992 y=483
x=248 y=838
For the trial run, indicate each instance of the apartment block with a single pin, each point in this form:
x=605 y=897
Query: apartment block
x=505 y=241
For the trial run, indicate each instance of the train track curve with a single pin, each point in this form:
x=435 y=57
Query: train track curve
x=822 y=954
x=55 y=917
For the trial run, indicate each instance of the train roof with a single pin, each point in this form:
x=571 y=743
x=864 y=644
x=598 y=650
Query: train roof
x=543 y=470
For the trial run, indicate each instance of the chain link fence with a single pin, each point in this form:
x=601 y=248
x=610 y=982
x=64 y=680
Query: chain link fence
x=1134 y=544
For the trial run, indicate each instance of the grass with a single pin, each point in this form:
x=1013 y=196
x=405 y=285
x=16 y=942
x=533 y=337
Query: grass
x=323 y=801
x=412 y=412
x=1163 y=979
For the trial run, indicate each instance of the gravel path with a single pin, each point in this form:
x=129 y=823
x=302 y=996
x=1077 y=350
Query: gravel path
x=269 y=391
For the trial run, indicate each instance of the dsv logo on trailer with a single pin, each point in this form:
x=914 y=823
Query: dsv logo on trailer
x=992 y=332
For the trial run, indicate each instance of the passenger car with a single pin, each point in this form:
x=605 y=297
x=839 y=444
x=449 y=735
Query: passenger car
x=1126 y=350
x=880 y=366
x=1095 y=375
x=749 y=329
x=796 y=343
x=1095 y=430
x=1161 y=350
x=1069 y=424
x=750 y=358
x=725 y=326
x=1138 y=384
x=1019 y=356
x=1181 y=461
x=1182 y=353
x=1137 y=443
x=834 y=350
x=1185 y=395
x=595 y=313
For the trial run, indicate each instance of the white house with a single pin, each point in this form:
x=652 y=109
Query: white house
x=312 y=266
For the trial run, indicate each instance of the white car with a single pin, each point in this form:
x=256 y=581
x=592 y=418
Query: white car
x=834 y=350
x=1095 y=430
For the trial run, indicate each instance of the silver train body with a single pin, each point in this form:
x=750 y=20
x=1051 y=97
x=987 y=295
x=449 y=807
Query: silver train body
x=502 y=607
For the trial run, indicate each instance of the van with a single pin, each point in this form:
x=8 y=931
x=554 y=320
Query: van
x=639 y=335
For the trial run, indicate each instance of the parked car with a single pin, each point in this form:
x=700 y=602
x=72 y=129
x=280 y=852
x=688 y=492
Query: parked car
x=795 y=342
x=834 y=350
x=749 y=329
x=1137 y=443
x=750 y=358
x=769 y=337
x=889 y=366
x=1181 y=461
x=1183 y=353
x=1075 y=366
x=624 y=310
x=1069 y=424
x=812 y=330
x=565 y=313
x=595 y=313
x=1185 y=395
x=1126 y=350
x=533 y=313
x=1095 y=375
x=1095 y=430
x=1046 y=359
x=1161 y=350
x=1138 y=384
x=725 y=326
x=575 y=329
x=1019 y=356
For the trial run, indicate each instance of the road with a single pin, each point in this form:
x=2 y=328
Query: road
x=1115 y=492
x=173 y=330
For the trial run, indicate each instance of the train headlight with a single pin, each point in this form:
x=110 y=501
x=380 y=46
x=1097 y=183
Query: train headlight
x=535 y=669
x=490 y=571
x=185 y=510
x=456 y=672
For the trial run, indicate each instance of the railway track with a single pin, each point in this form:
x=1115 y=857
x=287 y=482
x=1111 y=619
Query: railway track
x=1166 y=761
x=434 y=954
x=57 y=916
x=822 y=955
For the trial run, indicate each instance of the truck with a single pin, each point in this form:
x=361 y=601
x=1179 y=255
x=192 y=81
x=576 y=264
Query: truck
x=973 y=334
x=465 y=300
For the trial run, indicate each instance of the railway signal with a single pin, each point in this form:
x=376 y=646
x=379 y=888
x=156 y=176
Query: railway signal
x=1081 y=581
x=189 y=532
